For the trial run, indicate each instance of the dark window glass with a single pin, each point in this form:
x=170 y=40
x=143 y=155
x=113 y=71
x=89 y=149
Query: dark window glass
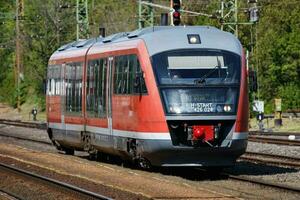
x=198 y=81
x=73 y=87
x=96 y=88
x=139 y=85
x=206 y=67
x=128 y=76
x=54 y=80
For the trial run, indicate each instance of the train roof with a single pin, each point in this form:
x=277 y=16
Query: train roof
x=163 y=38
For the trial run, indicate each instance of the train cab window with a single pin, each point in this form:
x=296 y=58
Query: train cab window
x=73 y=83
x=198 y=81
x=96 y=88
x=128 y=76
x=54 y=81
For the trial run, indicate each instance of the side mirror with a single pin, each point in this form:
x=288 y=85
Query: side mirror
x=253 y=80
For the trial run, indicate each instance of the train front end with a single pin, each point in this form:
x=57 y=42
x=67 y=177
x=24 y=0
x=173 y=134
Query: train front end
x=201 y=77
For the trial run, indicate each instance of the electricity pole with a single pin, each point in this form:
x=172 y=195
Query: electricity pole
x=82 y=19
x=18 y=65
x=229 y=15
x=146 y=17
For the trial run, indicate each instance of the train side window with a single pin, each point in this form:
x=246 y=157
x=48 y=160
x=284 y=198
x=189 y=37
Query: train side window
x=49 y=88
x=53 y=80
x=57 y=79
x=101 y=109
x=127 y=71
x=68 y=82
x=120 y=75
x=73 y=83
x=96 y=88
x=90 y=97
x=139 y=85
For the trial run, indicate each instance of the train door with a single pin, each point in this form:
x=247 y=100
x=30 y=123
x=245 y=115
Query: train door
x=109 y=95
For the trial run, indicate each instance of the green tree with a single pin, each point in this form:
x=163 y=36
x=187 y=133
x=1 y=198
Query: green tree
x=278 y=52
x=7 y=42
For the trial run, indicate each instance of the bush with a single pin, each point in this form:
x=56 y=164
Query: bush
x=290 y=95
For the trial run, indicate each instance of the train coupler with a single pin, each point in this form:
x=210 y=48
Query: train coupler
x=203 y=133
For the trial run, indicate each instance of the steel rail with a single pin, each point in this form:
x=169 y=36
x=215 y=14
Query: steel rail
x=271 y=159
x=55 y=182
x=269 y=140
x=262 y=133
x=257 y=181
x=37 y=125
x=10 y=194
x=262 y=182
x=26 y=139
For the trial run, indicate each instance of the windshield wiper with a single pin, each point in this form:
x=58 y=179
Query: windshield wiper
x=202 y=79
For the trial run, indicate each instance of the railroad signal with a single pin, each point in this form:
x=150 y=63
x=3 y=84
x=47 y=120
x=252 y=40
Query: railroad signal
x=253 y=81
x=176 y=4
x=253 y=15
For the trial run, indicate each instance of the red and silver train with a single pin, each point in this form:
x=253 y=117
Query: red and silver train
x=165 y=96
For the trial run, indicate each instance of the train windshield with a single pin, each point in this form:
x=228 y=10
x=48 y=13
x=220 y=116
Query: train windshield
x=197 y=67
x=198 y=81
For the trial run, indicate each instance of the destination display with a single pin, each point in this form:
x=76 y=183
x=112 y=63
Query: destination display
x=204 y=100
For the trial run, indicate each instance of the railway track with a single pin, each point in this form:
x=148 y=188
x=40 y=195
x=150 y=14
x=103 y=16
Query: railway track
x=262 y=183
x=38 y=125
x=261 y=133
x=272 y=140
x=25 y=139
x=49 y=182
x=9 y=195
x=248 y=156
x=272 y=159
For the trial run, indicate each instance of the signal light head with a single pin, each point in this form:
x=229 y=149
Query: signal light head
x=176 y=4
x=176 y=14
x=176 y=18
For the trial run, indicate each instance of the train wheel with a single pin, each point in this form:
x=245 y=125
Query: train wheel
x=144 y=164
x=69 y=151
x=94 y=155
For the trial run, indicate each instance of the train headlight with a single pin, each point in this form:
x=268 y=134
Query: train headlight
x=227 y=108
x=194 y=39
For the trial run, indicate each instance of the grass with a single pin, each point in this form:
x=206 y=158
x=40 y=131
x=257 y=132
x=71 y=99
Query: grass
x=288 y=125
x=7 y=112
